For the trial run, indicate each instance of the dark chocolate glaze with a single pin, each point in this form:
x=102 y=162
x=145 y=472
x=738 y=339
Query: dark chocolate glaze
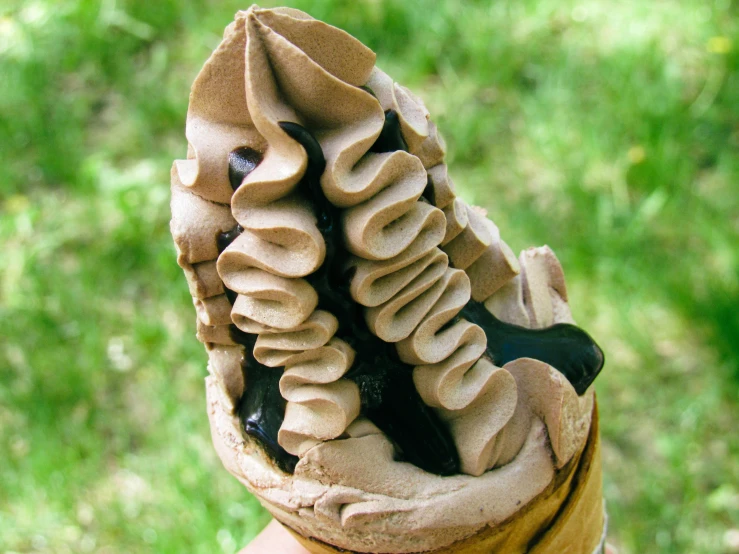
x=390 y=139
x=227 y=237
x=389 y=397
x=565 y=347
x=262 y=408
x=428 y=192
x=388 y=394
x=241 y=162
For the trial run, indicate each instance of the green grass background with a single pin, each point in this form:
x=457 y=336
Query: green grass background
x=608 y=130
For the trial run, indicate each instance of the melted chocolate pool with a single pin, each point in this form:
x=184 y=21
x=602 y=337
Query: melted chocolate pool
x=565 y=347
x=262 y=408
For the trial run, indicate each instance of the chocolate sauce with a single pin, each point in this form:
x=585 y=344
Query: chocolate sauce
x=241 y=162
x=390 y=139
x=365 y=88
x=227 y=237
x=428 y=192
x=388 y=394
x=222 y=241
x=565 y=347
x=389 y=397
x=262 y=408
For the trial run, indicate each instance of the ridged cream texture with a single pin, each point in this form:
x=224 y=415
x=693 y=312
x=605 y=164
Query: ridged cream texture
x=417 y=265
x=279 y=246
x=411 y=292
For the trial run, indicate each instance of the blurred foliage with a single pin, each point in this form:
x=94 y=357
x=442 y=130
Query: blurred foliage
x=608 y=130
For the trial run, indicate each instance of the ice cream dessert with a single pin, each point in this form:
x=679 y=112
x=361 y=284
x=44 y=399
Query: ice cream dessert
x=385 y=375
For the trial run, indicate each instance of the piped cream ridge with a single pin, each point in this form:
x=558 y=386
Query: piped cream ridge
x=524 y=419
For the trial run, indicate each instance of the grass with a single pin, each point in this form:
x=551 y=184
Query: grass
x=607 y=130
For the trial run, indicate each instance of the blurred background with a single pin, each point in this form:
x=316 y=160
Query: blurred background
x=608 y=130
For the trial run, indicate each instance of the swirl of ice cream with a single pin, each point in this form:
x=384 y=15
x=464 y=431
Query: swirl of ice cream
x=420 y=262
x=413 y=296
x=384 y=221
x=277 y=243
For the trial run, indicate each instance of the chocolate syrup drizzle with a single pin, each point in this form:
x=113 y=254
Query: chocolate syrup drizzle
x=389 y=397
x=563 y=346
x=241 y=162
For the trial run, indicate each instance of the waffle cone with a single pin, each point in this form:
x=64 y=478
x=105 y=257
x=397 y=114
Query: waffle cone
x=567 y=518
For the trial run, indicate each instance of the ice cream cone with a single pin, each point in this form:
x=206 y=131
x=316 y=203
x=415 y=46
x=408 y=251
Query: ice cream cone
x=567 y=518
x=386 y=375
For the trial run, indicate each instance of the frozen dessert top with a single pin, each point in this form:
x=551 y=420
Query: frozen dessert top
x=368 y=331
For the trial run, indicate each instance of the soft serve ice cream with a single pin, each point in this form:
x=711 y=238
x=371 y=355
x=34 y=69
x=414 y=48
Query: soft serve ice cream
x=385 y=374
